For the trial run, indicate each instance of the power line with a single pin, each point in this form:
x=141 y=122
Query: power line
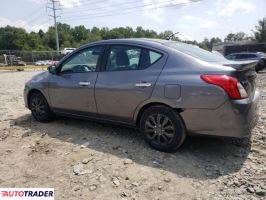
x=103 y=7
x=31 y=16
x=128 y=10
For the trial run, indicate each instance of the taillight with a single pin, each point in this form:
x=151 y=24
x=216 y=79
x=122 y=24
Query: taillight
x=231 y=85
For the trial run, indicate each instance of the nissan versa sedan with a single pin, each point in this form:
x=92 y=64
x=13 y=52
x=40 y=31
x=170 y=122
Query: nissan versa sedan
x=167 y=89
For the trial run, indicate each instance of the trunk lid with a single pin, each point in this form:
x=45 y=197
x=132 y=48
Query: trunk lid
x=245 y=73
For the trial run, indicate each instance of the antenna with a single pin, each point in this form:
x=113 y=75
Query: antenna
x=169 y=37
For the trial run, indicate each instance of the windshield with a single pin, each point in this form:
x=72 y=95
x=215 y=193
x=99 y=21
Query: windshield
x=196 y=52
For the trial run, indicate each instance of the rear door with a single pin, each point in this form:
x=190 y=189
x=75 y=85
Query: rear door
x=128 y=79
x=71 y=90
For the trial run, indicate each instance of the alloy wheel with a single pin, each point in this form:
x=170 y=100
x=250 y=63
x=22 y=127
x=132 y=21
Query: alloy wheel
x=159 y=129
x=37 y=106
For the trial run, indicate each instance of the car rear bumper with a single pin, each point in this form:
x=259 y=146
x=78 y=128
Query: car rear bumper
x=233 y=119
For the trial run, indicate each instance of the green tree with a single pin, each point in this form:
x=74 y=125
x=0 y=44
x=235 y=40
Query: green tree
x=260 y=33
x=239 y=36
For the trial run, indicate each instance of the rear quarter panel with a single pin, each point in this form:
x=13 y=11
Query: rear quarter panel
x=184 y=71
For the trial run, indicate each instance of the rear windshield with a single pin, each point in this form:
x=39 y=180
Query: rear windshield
x=196 y=52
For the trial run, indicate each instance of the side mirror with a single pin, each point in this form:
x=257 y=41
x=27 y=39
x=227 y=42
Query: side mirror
x=52 y=69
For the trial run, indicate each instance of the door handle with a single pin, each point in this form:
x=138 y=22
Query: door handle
x=143 y=85
x=84 y=83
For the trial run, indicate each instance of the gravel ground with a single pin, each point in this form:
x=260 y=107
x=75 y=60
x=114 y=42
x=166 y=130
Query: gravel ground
x=87 y=160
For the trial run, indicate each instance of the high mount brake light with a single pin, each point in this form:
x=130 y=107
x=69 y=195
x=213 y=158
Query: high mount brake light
x=231 y=85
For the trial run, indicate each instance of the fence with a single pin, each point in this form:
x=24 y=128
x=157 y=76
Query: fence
x=13 y=57
x=245 y=48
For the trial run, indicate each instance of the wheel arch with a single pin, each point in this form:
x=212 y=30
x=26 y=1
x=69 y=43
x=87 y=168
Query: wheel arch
x=31 y=92
x=148 y=105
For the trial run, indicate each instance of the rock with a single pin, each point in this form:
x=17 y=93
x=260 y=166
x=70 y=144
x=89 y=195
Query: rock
x=124 y=151
x=43 y=135
x=128 y=186
x=76 y=188
x=86 y=160
x=160 y=187
x=84 y=145
x=102 y=179
x=13 y=123
x=136 y=184
x=116 y=181
x=127 y=161
x=26 y=134
x=77 y=169
x=250 y=190
x=124 y=194
x=93 y=187
x=261 y=192
x=85 y=172
x=167 y=180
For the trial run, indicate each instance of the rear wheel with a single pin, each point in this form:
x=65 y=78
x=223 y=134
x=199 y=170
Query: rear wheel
x=163 y=128
x=40 y=108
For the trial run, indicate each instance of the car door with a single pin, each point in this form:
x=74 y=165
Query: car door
x=128 y=79
x=71 y=90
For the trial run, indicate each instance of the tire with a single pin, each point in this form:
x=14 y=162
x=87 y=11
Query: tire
x=163 y=128
x=40 y=108
x=263 y=63
x=260 y=65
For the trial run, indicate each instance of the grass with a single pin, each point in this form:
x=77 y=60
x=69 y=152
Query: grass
x=18 y=68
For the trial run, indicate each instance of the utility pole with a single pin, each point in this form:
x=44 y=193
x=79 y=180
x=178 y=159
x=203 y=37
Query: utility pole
x=54 y=9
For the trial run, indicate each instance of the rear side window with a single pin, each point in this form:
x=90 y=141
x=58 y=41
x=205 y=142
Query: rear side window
x=122 y=57
x=245 y=56
x=154 y=56
x=251 y=56
x=148 y=58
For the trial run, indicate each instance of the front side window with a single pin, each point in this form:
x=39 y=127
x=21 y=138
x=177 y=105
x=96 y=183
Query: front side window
x=84 y=61
x=123 y=58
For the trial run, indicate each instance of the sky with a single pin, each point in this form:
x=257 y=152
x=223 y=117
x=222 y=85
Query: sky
x=193 y=19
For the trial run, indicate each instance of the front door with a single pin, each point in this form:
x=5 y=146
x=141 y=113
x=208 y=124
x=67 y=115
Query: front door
x=71 y=90
x=128 y=79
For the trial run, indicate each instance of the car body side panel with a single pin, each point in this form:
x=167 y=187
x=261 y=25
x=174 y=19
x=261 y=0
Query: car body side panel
x=38 y=82
x=116 y=92
x=194 y=93
x=66 y=94
x=234 y=118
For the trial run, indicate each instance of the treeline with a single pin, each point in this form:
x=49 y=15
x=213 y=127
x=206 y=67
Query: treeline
x=13 y=38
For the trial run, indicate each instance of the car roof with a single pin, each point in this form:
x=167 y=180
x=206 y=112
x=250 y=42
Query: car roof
x=150 y=42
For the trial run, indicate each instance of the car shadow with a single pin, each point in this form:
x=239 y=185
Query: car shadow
x=200 y=157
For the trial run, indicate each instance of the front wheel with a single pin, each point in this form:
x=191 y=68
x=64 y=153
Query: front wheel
x=40 y=108
x=163 y=128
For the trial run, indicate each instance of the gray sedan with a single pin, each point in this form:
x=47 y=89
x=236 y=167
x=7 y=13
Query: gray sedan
x=167 y=89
